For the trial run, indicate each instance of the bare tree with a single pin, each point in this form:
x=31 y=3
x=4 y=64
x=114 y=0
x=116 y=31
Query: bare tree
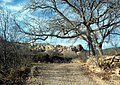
x=90 y=20
x=115 y=44
x=9 y=36
x=5 y=30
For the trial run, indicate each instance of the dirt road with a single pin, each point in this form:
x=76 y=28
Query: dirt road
x=62 y=74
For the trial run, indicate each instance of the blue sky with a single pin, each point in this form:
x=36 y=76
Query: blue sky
x=13 y=5
x=12 y=2
x=16 y=5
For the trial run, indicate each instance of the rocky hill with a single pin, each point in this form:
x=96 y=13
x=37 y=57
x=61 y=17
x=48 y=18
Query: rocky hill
x=60 y=48
x=55 y=53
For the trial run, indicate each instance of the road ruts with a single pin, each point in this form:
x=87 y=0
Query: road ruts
x=60 y=74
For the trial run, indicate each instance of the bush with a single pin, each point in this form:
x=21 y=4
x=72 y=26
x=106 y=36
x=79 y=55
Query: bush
x=52 y=53
x=15 y=76
x=13 y=56
x=69 y=54
x=82 y=55
x=41 y=57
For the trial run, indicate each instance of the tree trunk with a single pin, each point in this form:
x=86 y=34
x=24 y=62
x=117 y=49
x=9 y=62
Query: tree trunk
x=100 y=49
x=89 y=38
x=92 y=49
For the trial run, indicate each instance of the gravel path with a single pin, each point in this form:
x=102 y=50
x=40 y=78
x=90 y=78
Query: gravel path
x=62 y=74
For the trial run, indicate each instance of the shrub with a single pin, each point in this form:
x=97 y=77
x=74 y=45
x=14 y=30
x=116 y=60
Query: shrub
x=52 y=53
x=13 y=56
x=82 y=55
x=15 y=76
x=69 y=54
x=41 y=57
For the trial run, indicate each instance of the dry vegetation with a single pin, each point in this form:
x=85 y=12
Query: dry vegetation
x=96 y=22
x=48 y=67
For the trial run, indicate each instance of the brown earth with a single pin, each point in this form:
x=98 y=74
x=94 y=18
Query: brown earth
x=65 y=74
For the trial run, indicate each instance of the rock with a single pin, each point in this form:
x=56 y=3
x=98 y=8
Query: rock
x=114 y=61
x=79 y=47
x=49 y=47
x=76 y=48
x=73 y=48
x=43 y=53
x=117 y=58
x=116 y=72
x=60 y=48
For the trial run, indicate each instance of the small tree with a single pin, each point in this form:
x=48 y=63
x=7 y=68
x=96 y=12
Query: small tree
x=12 y=54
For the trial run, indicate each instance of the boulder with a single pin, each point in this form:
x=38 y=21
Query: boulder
x=73 y=48
x=76 y=48
x=79 y=47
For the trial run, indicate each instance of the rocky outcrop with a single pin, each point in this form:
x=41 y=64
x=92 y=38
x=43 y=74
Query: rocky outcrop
x=59 y=48
x=76 y=48
x=55 y=53
x=104 y=63
x=109 y=62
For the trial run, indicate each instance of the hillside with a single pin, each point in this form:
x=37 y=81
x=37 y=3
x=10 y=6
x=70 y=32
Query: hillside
x=18 y=59
x=111 y=51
